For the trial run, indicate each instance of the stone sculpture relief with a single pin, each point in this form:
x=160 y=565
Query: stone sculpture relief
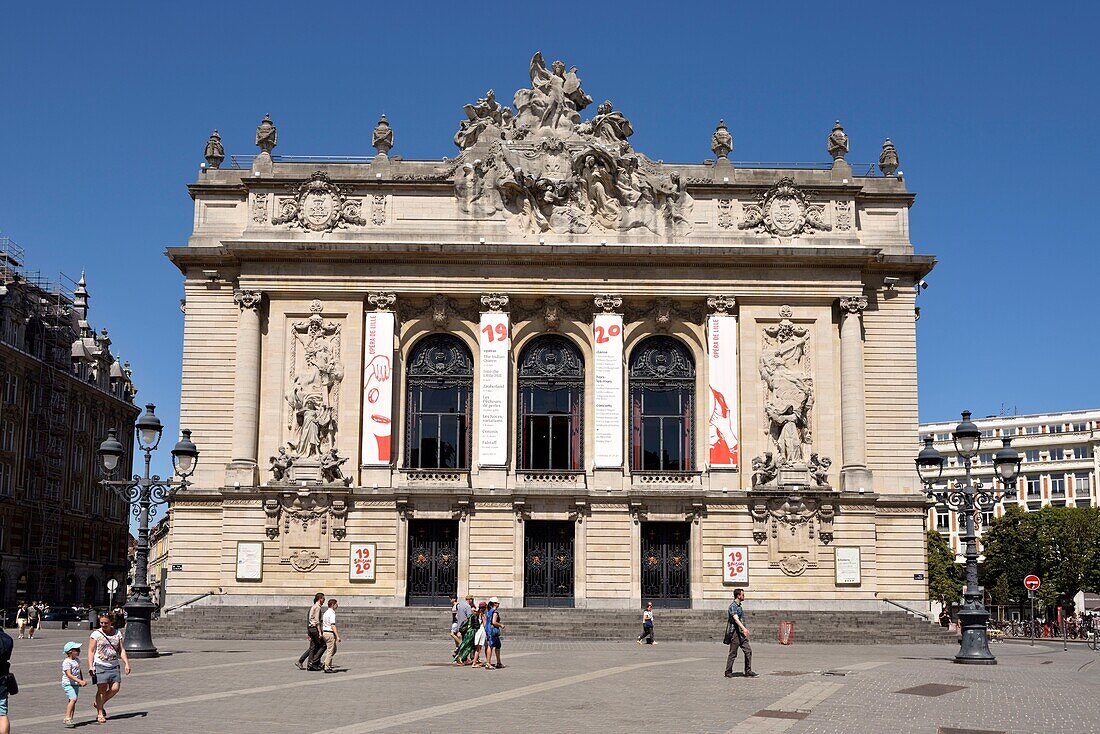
x=305 y=521
x=784 y=211
x=789 y=389
x=318 y=205
x=843 y=216
x=330 y=468
x=316 y=373
x=280 y=466
x=259 y=208
x=792 y=525
x=549 y=172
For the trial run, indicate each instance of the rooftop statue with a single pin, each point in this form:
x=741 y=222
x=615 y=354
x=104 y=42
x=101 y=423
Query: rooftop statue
x=837 y=144
x=214 y=152
x=888 y=160
x=547 y=171
x=267 y=136
x=382 y=136
x=721 y=142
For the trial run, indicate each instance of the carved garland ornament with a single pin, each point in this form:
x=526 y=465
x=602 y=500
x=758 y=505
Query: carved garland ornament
x=784 y=211
x=319 y=205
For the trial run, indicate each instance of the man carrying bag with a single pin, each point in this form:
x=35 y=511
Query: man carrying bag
x=737 y=635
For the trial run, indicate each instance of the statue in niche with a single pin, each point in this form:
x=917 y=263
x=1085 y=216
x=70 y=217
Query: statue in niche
x=314 y=396
x=784 y=368
x=280 y=465
x=554 y=101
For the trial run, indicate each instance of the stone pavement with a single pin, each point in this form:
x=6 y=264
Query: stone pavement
x=249 y=687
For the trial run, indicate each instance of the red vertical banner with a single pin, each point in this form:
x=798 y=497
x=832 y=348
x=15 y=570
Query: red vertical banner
x=722 y=368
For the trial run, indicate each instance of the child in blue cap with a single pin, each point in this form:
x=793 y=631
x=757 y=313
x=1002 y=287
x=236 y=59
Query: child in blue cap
x=71 y=679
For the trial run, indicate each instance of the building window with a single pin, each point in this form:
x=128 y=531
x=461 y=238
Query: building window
x=1081 y=452
x=1080 y=427
x=1058 y=486
x=986 y=519
x=1055 y=428
x=943 y=520
x=1081 y=485
x=440 y=380
x=987 y=433
x=1008 y=431
x=6 y=480
x=551 y=396
x=11 y=388
x=1034 y=487
x=7 y=436
x=1056 y=454
x=1031 y=430
x=943 y=436
x=985 y=458
x=662 y=403
x=1031 y=455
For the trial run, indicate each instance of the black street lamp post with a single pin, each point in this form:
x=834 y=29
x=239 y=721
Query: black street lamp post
x=144 y=494
x=967 y=498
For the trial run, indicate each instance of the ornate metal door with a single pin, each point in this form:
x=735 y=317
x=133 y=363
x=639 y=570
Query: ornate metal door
x=433 y=562
x=666 y=567
x=548 y=563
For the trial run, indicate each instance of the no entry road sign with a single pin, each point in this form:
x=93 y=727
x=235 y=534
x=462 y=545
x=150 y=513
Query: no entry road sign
x=1031 y=582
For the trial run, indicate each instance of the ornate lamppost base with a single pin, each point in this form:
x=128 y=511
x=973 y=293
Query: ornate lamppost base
x=138 y=639
x=974 y=649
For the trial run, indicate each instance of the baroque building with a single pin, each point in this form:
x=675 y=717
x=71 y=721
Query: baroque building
x=551 y=369
x=1060 y=455
x=62 y=535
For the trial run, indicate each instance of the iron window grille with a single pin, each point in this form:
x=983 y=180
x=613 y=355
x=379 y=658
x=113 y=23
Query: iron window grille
x=439 y=383
x=551 y=405
x=662 y=402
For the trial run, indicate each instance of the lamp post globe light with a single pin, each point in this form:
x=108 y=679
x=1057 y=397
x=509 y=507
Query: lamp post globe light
x=967 y=498
x=144 y=494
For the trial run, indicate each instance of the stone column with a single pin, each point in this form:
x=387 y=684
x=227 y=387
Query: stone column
x=854 y=474
x=246 y=391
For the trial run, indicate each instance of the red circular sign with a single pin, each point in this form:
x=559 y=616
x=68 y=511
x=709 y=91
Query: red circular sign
x=1031 y=582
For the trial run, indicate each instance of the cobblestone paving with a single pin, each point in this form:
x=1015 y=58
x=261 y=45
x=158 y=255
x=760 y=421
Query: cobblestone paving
x=228 y=687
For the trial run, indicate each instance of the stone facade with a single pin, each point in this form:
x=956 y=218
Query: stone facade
x=62 y=535
x=551 y=369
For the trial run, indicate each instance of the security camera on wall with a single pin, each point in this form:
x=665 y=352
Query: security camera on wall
x=890 y=282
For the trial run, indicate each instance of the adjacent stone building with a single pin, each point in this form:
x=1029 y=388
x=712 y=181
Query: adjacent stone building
x=1060 y=466
x=62 y=535
x=551 y=369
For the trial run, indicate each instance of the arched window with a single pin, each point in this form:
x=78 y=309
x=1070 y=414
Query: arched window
x=662 y=402
x=551 y=400
x=440 y=380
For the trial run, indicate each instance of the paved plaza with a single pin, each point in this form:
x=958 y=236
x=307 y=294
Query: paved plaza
x=233 y=687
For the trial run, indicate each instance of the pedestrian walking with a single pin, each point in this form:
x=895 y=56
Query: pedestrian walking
x=647 y=625
x=737 y=635
x=455 y=637
x=32 y=620
x=21 y=619
x=479 y=635
x=464 y=613
x=72 y=680
x=311 y=658
x=8 y=685
x=493 y=629
x=331 y=633
x=107 y=662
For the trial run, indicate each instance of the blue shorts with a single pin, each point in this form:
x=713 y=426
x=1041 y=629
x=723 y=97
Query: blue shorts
x=70 y=690
x=108 y=675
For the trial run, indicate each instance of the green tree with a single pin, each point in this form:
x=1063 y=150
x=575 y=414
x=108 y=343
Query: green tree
x=1011 y=549
x=945 y=577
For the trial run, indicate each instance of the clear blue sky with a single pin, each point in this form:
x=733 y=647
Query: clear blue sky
x=106 y=107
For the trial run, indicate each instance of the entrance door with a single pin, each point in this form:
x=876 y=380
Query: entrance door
x=548 y=563
x=666 y=575
x=433 y=563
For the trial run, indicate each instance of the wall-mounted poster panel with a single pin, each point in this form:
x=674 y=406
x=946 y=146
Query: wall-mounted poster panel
x=607 y=336
x=847 y=565
x=250 y=560
x=361 y=562
x=735 y=564
x=378 y=388
x=495 y=343
x=722 y=367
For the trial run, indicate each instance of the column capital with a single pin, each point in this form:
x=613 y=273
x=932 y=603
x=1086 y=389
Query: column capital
x=495 y=301
x=721 y=305
x=382 y=300
x=250 y=300
x=854 y=305
x=608 y=303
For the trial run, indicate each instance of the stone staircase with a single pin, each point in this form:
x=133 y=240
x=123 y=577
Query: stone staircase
x=421 y=624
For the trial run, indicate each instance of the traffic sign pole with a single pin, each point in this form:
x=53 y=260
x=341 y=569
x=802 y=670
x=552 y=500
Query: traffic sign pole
x=1031 y=596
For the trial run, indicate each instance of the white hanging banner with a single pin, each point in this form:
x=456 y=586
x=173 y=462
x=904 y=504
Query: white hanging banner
x=492 y=433
x=378 y=388
x=722 y=366
x=607 y=332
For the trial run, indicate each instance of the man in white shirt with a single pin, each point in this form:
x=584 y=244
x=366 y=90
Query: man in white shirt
x=330 y=633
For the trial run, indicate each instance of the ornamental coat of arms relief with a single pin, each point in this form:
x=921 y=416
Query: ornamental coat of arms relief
x=319 y=205
x=784 y=211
